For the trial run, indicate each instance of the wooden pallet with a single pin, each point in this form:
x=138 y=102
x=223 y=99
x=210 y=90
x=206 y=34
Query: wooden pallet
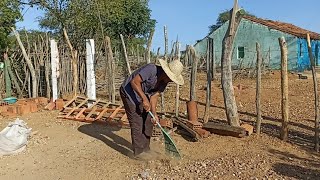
x=88 y=110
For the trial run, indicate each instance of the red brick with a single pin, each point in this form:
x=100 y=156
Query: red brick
x=59 y=104
x=50 y=106
x=3 y=109
x=166 y=123
x=8 y=114
x=248 y=128
x=35 y=100
x=23 y=109
x=33 y=107
x=43 y=100
x=194 y=125
x=203 y=133
x=12 y=109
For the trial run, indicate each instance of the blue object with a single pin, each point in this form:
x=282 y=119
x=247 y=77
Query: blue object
x=10 y=100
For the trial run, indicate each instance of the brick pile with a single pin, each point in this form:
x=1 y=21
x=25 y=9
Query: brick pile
x=22 y=107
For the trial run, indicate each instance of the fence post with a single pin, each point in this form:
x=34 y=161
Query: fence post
x=91 y=80
x=54 y=68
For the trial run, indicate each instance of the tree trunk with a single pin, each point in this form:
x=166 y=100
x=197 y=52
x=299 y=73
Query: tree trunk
x=226 y=71
x=209 y=78
x=316 y=95
x=284 y=89
x=149 y=46
x=29 y=63
x=258 y=88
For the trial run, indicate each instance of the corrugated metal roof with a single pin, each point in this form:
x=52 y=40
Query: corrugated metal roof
x=284 y=27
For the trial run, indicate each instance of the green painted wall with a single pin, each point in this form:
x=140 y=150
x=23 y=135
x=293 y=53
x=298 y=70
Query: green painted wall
x=248 y=34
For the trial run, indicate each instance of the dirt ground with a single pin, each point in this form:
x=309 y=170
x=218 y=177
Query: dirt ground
x=60 y=149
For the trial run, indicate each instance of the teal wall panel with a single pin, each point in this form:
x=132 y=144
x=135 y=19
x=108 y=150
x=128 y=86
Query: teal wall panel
x=248 y=34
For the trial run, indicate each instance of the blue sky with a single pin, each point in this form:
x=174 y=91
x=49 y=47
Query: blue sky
x=189 y=19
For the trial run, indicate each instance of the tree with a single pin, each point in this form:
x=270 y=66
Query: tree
x=224 y=17
x=93 y=19
x=9 y=15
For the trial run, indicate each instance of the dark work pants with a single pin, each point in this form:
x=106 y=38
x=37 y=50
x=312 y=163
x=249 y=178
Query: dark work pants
x=140 y=124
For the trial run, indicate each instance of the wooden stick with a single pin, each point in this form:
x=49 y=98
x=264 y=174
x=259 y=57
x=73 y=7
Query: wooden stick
x=125 y=54
x=316 y=95
x=47 y=68
x=177 y=86
x=29 y=63
x=284 y=89
x=166 y=59
x=138 y=54
x=209 y=76
x=158 y=55
x=74 y=63
x=149 y=46
x=258 y=88
x=111 y=67
x=193 y=96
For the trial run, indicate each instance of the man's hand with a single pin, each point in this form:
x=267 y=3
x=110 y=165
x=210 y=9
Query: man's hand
x=146 y=105
x=154 y=121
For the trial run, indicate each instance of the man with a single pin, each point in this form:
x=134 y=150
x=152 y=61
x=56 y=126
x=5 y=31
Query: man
x=140 y=92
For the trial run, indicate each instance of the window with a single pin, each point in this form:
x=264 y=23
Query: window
x=240 y=52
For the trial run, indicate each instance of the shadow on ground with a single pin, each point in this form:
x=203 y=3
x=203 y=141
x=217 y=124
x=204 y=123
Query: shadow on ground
x=296 y=171
x=106 y=134
x=271 y=127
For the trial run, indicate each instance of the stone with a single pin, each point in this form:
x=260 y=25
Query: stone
x=248 y=128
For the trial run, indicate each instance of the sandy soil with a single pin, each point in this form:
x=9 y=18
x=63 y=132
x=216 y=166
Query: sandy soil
x=60 y=149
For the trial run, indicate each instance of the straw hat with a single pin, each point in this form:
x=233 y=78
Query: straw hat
x=173 y=70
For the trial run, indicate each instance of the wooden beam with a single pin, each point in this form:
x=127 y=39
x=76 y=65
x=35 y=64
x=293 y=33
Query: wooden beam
x=224 y=129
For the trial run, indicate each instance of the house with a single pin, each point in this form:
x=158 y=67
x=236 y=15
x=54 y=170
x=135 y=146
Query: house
x=266 y=32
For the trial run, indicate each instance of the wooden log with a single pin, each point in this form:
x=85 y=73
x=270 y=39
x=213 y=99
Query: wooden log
x=209 y=76
x=149 y=46
x=224 y=129
x=29 y=63
x=316 y=95
x=125 y=54
x=284 y=89
x=258 y=88
x=226 y=69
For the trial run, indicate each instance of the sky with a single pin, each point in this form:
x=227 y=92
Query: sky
x=188 y=20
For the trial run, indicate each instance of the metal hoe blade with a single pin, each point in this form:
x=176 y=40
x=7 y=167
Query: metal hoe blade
x=170 y=146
